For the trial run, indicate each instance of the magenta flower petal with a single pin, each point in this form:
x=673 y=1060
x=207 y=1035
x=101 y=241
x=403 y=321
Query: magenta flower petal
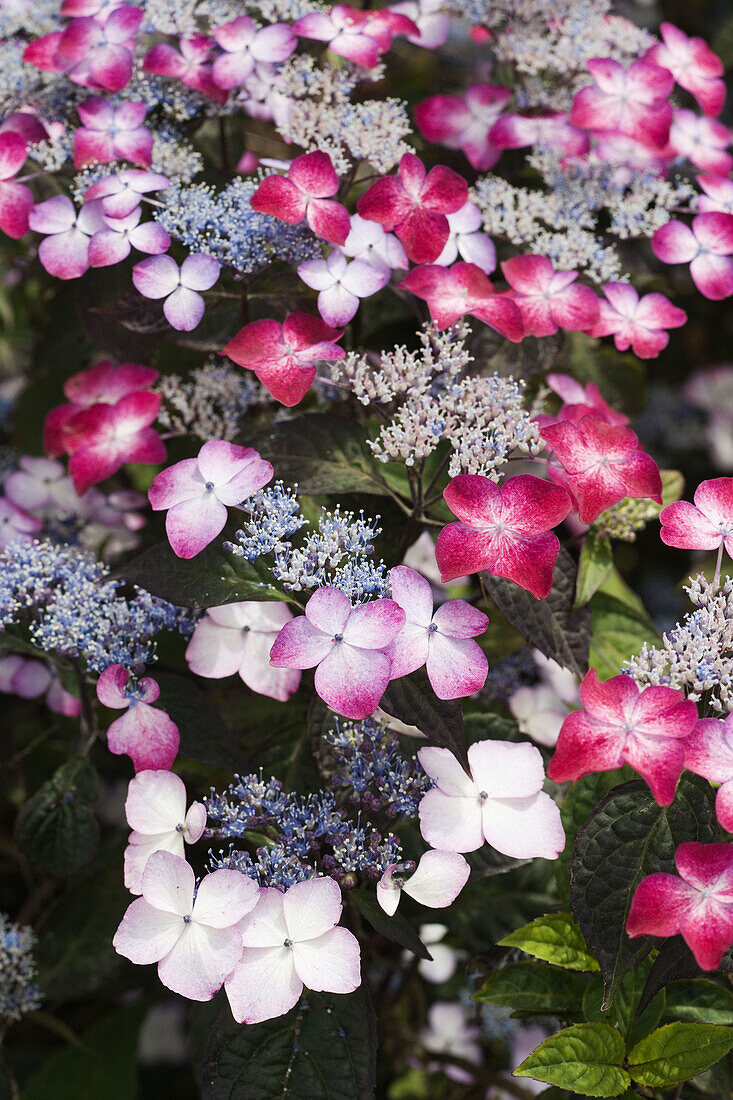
x=147 y=735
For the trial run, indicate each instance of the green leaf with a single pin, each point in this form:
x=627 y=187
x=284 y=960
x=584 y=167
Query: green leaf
x=553 y=625
x=594 y=567
x=575 y=810
x=700 y=1000
x=214 y=577
x=105 y=1067
x=323 y=1049
x=412 y=700
x=619 y=632
x=623 y=1012
x=677 y=1052
x=57 y=828
x=627 y=837
x=205 y=735
x=530 y=988
x=674 y=961
x=321 y=453
x=396 y=928
x=555 y=938
x=584 y=1058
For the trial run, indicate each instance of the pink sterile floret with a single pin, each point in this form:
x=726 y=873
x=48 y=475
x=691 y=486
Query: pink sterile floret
x=698 y=904
x=306 y=193
x=360 y=36
x=103 y=438
x=551 y=130
x=705 y=524
x=245 y=45
x=191 y=933
x=452 y=292
x=603 y=464
x=99 y=54
x=465 y=122
x=414 y=204
x=548 y=299
x=622 y=725
x=505 y=530
x=284 y=356
x=64 y=251
x=237 y=638
x=579 y=400
x=29 y=679
x=16 y=200
x=369 y=242
x=436 y=882
x=718 y=197
x=40 y=484
x=431 y=20
x=122 y=191
x=443 y=642
x=639 y=324
x=160 y=277
x=292 y=941
x=341 y=284
x=693 y=65
x=709 y=752
x=501 y=802
x=156 y=812
x=112 y=133
x=706 y=246
x=192 y=65
x=629 y=101
x=346 y=645
x=16 y=525
x=114 y=243
x=702 y=141
x=145 y=732
x=197 y=492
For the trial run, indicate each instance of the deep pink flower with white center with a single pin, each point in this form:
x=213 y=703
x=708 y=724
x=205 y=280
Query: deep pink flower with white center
x=629 y=101
x=603 y=464
x=284 y=356
x=693 y=65
x=16 y=200
x=16 y=525
x=505 y=530
x=103 y=438
x=547 y=298
x=465 y=122
x=161 y=277
x=192 y=65
x=552 y=129
x=306 y=193
x=191 y=933
x=443 y=642
x=468 y=240
x=368 y=241
x=702 y=141
x=64 y=252
x=197 y=492
x=144 y=732
x=621 y=724
x=40 y=484
x=237 y=638
x=341 y=284
x=709 y=753
x=639 y=324
x=121 y=192
x=114 y=244
x=292 y=941
x=718 y=197
x=155 y=809
x=705 y=525
x=452 y=292
x=436 y=882
x=112 y=133
x=578 y=400
x=346 y=647
x=99 y=55
x=245 y=45
x=431 y=20
x=706 y=246
x=414 y=204
x=698 y=905
x=500 y=803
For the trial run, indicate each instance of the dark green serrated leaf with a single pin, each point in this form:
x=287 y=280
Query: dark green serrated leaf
x=623 y=1012
x=321 y=453
x=555 y=938
x=551 y=625
x=57 y=828
x=211 y=579
x=396 y=928
x=584 y=1058
x=205 y=735
x=674 y=961
x=412 y=700
x=532 y=988
x=323 y=1049
x=627 y=837
x=699 y=1000
x=594 y=566
x=677 y=1052
x=575 y=810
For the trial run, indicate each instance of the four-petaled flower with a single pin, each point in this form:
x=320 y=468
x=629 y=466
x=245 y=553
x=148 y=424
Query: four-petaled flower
x=192 y=65
x=306 y=192
x=465 y=122
x=452 y=292
x=98 y=54
x=112 y=133
x=16 y=200
x=629 y=101
x=155 y=809
x=102 y=438
x=693 y=65
x=160 y=277
x=341 y=284
x=706 y=246
x=639 y=324
x=64 y=251
x=548 y=299
x=245 y=45
x=145 y=732
x=705 y=525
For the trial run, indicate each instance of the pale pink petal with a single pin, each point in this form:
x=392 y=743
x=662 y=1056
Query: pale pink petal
x=264 y=985
x=199 y=272
x=328 y=610
x=193 y=524
x=223 y=898
x=311 y=908
x=451 y=823
x=438 y=879
x=184 y=308
x=156 y=802
x=442 y=766
x=300 y=645
x=200 y=960
x=111 y=687
x=156 y=277
x=265 y=925
x=456 y=667
x=374 y=625
x=352 y=681
x=146 y=934
x=330 y=963
x=524 y=828
x=506 y=769
x=168 y=884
